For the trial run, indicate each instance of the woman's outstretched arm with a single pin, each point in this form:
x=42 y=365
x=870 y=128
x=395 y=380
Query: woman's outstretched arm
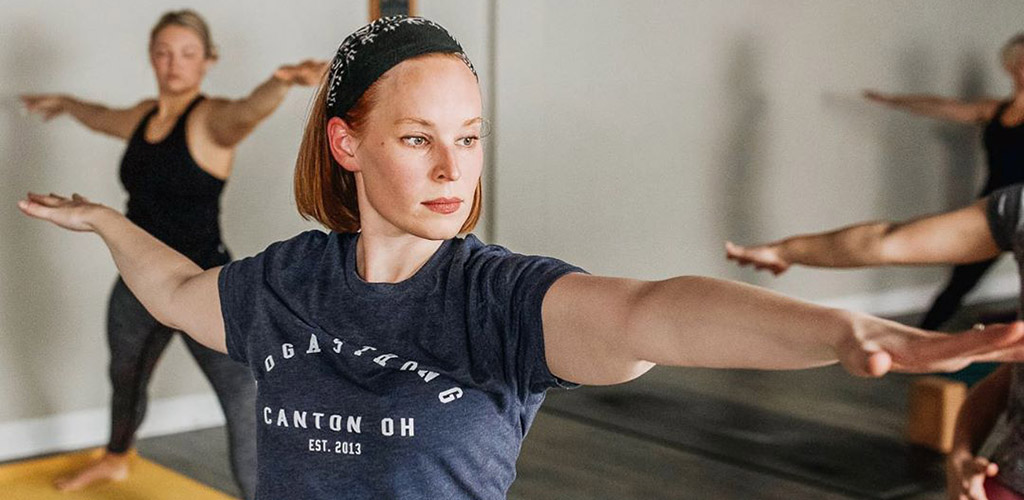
x=943 y=108
x=117 y=122
x=956 y=237
x=230 y=121
x=608 y=330
x=176 y=291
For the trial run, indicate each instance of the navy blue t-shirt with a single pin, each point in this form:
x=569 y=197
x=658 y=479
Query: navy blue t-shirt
x=419 y=389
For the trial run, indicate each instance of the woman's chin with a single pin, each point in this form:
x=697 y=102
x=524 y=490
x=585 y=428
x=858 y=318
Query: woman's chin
x=441 y=230
x=176 y=88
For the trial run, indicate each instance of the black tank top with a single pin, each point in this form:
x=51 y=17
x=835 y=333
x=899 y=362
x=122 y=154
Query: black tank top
x=1004 y=147
x=171 y=196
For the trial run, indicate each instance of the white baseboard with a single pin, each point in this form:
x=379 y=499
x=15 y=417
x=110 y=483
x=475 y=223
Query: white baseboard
x=88 y=428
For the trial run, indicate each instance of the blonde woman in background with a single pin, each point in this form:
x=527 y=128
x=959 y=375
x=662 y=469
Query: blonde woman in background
x=180 y=151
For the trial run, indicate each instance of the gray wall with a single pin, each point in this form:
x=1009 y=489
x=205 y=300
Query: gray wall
x=630 y=138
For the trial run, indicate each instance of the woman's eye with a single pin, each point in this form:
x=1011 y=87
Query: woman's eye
x=414 y=141
x=468 y=141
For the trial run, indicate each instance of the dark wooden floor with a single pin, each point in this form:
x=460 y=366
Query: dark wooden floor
x=696 y=433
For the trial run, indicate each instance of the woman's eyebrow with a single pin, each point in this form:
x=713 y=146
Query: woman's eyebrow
x=428 y=123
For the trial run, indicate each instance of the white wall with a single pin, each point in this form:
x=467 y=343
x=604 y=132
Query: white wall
x=655 y=130
x=630 y=138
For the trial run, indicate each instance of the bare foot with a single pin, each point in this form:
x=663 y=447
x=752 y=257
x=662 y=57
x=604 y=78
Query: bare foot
x=110 y=467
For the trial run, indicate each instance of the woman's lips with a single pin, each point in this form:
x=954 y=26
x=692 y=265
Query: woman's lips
x=443 y=206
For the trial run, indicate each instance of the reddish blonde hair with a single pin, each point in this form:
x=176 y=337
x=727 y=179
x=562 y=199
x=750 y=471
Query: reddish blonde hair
x=326 y=192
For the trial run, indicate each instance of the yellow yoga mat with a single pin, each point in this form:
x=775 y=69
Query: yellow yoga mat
x=33 y=480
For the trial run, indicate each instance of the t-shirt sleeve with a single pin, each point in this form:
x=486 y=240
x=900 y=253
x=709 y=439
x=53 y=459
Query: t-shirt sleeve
x=257 y=293
x=1003 y=210
x=518 y=286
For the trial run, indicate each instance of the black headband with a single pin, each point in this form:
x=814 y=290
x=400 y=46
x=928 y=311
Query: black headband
x=370 y=51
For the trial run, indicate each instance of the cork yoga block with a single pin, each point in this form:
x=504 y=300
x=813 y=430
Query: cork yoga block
x=933 y=406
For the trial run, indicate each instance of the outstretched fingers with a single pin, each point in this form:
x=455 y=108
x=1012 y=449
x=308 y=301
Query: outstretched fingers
x=34 y=209
x=1003 y=342
x=49 y=200
x=738 y=253
x=763 y=258
x=73 y=213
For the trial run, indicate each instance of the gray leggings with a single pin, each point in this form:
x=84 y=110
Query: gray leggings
x=136 y=342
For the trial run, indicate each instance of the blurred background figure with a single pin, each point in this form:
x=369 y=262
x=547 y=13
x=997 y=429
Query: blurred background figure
x=180 y=151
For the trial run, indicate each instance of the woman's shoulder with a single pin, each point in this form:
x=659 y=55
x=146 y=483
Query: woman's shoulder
x=481 y=256
x=470 y=247
x=299 y=248
x=293 y=261
x=313 y=240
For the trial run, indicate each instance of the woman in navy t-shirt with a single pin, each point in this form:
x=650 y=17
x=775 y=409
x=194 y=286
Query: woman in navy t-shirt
x=396 y=360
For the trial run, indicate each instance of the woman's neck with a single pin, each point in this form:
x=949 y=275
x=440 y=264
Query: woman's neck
x=391 y=259
x=174 y=104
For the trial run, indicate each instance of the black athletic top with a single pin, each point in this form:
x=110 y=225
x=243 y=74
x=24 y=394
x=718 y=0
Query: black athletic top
x=170 y=196
x=1004 y=147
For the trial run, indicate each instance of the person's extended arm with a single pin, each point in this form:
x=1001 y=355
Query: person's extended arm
x=601 y=330
x=111 y=121
x=230 y=121
x=966 y=472
x=943 y=108
x=955 y=237
x=176 y=291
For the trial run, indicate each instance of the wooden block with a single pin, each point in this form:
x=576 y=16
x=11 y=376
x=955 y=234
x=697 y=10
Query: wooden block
x=934 y=403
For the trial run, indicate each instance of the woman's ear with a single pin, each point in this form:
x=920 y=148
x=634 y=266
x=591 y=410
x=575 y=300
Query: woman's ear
x=342 y=143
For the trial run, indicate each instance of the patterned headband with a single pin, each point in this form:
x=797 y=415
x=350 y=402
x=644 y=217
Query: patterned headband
x=370 y=51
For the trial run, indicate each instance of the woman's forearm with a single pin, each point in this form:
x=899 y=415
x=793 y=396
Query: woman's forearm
x=234 y=120
x=95 y=116
x=151 y=269
x=943 y=108
x=853 y=246
x=732 y=325
x=172 y=288
x=264 y=99
x=922 y=104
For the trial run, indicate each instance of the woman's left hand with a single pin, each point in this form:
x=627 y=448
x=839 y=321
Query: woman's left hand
x=75 y=213
x=308 y=72
x=762 y=257
x=877 y=347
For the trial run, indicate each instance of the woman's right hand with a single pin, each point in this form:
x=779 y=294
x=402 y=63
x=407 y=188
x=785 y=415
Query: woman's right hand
x=308 y=72
x=75 y=213
x=47 y=105
x=876 y=96
x=966 y=474
x=762 y=257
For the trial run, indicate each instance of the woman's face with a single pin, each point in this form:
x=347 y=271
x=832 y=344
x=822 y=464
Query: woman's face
x=179 y=60
x=418 y=159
